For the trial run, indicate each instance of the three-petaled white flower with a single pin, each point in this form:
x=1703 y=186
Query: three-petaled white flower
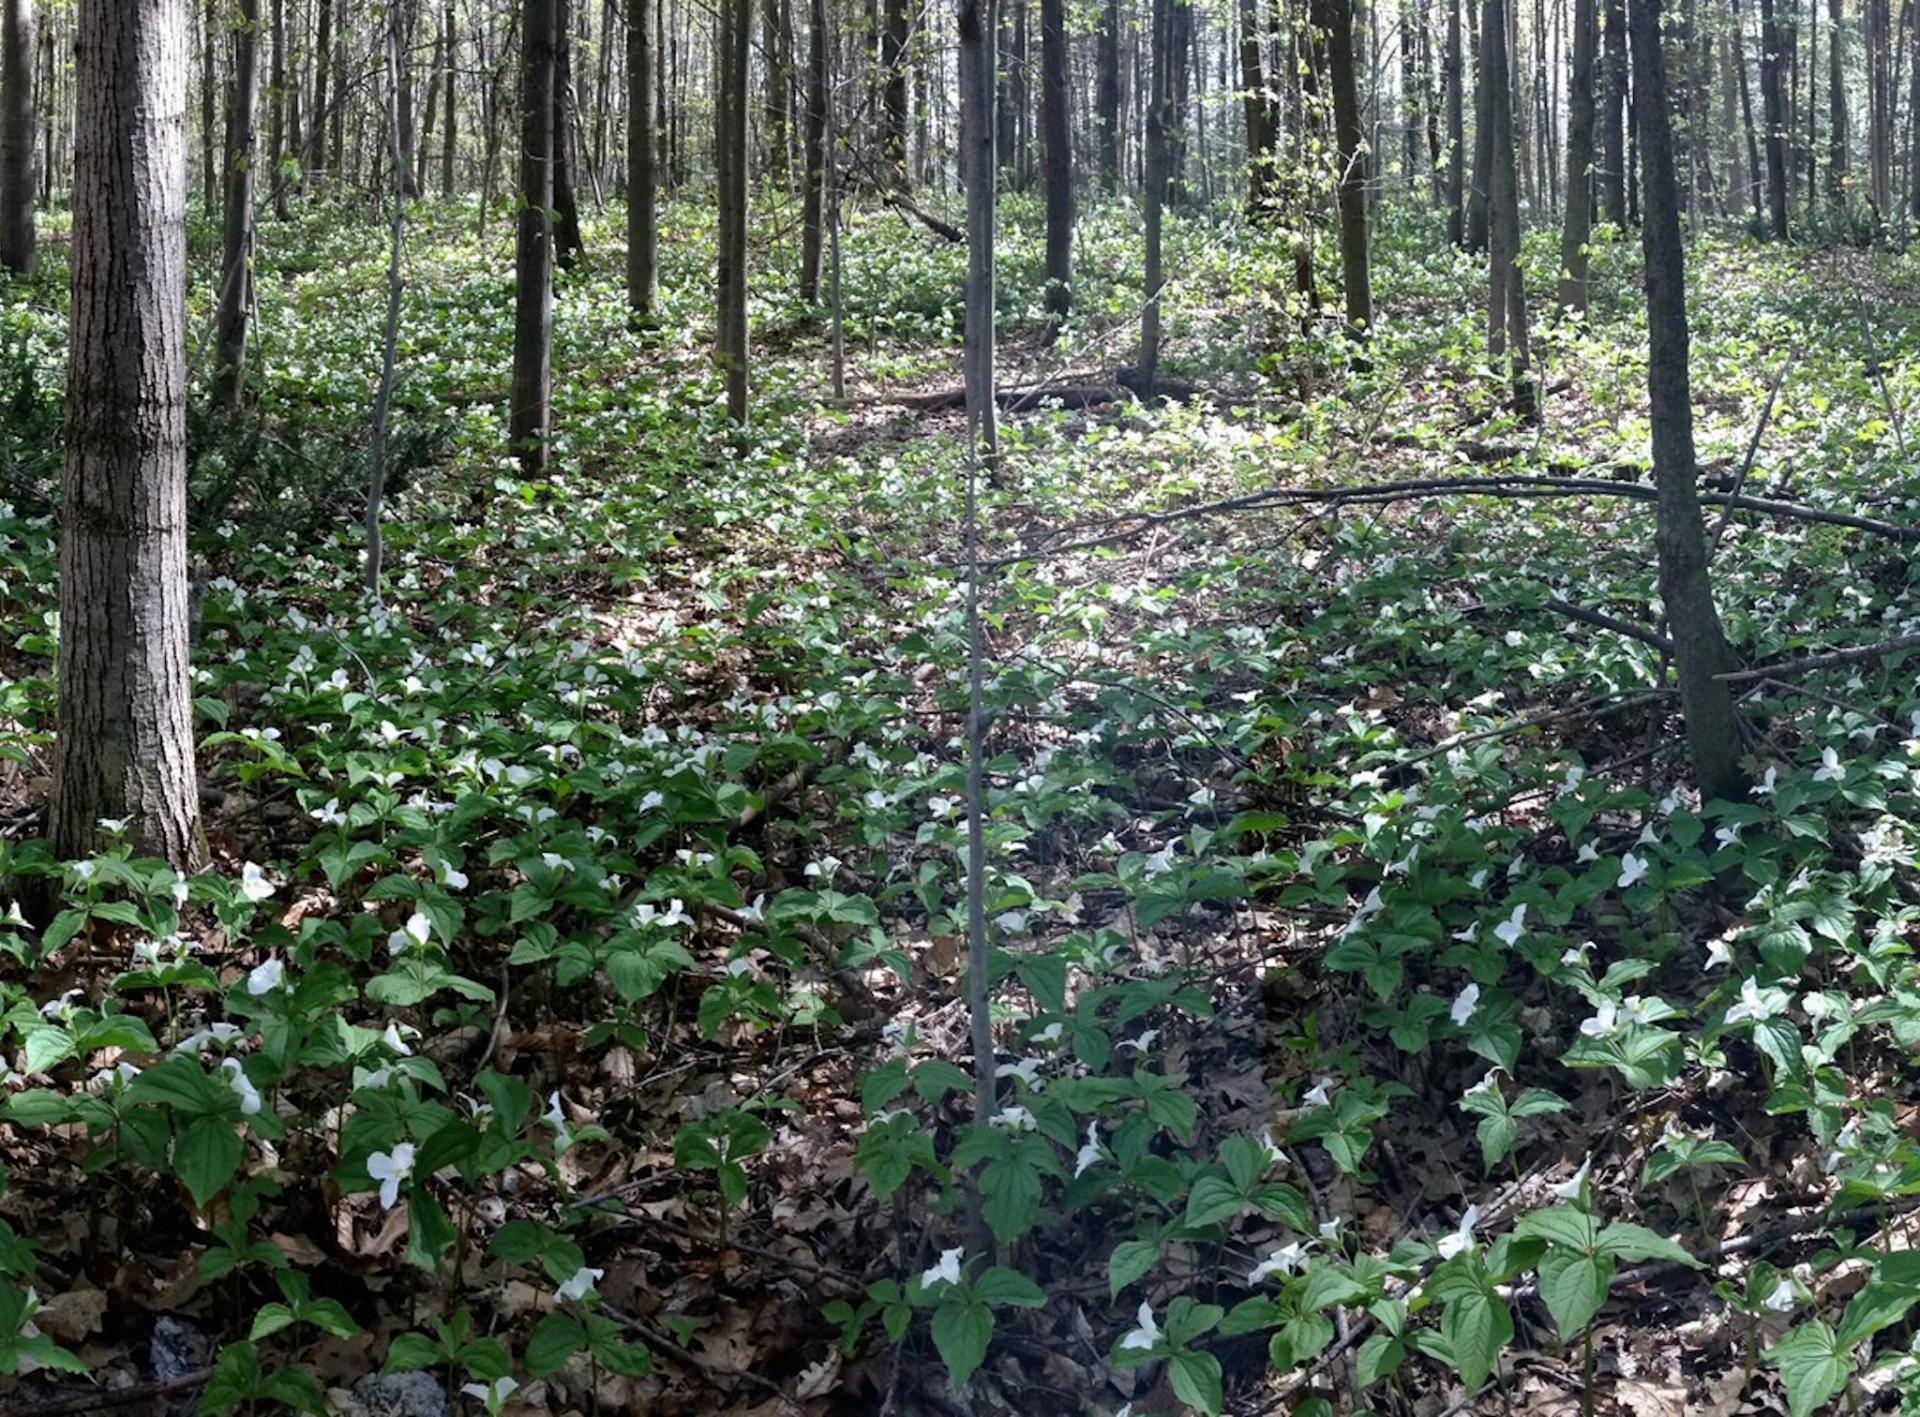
x=1285 y=1260
x=265 y=977
x=1633 y=869
x=1146 y=1333
x=1510 y=930
x=254 y=884
x=947 y=1271
x=242 y=1085
x=1088 y=1155
x=1569 y=1189
x=1831 y=769
x=390 y=1168
x=1317 y=1096
x=1464 y=1004
x=1753 y=1004
x=581 y=1285
x=1604 y=1021
x=493 y=1394
x=1462 y=1238
x=1782 y=1298
x=1719 y=955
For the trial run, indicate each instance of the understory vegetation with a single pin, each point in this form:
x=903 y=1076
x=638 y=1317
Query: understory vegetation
x=573 y=1009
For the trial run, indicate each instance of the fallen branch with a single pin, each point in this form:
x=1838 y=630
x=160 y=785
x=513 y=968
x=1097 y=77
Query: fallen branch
x=105 y=1398
x=1807 y=664
x=1605 y=621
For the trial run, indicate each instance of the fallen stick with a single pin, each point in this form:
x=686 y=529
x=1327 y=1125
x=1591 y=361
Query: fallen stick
x=1806 y=664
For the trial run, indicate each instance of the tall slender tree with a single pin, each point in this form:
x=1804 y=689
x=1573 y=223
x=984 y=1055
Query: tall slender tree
x=1773 y=108
x=1107 y=94
x=1837 y=106
x=1580 y=124
x=977 y=169
x=1056 y=132
x=1257 y=105
x=19 y=134
x=643 y=257
x=1456 y=129
x=125 y=746
x=730 y=150
x=1507 y=335
x=1700 y=649
x=1154 y=198
x=1334 y=21
x=1613 y=109
x=531 y=415
x=231 y=322
x=814 y=198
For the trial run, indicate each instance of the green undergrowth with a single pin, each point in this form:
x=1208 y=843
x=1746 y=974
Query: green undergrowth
x=1352 y=1034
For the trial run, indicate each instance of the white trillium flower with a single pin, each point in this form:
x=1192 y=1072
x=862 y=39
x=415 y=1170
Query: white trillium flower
x=1753 y=1004
x=265 y=977
x=329 y=815
x=1017 y=1119
x=581 y=1285
x=1285 y=1260
x=556 y=1118
x=1604 y=1022
x=238 y=1080
x=1146 y=1333
x=1719 y=955
x=390 y=1168
x=1141 y=1044
x=945 y=1272
x=1317 y=1095
x=1510 y=930
x=113 y=826
x=1831 y=769
x=1464 y=1005
x=1275 y=1156
x=254 y=884
x=1330 y=1230
x=1633 y=870
x=1782 y=1299
x=493 y=1394
x=1576 y=955
x=1587 y=854
x=1764 y=788
x=1462 y=1238
x=394 y=1041
x=1089 y=1155
x=1569 y=1189
x=419 y=927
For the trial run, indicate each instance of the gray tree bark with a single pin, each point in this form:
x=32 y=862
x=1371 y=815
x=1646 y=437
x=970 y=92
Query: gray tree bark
x=730 y=148
x=233 y=316
x=813 y=200
x=125 y=745
x=1334 y=20
x=1578 y=230
x=19 y=129
x=643 y=239
x=1699 y=645
x=977 y=171
x=1056 y=132
x=531 y=415
x=1153 y=200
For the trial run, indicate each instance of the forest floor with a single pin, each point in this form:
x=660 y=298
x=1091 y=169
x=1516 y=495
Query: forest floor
x=637 y=803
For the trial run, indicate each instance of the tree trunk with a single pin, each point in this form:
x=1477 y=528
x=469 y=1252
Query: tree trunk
x=125 y=745
x=1746 y=113
x=1772 y=109
x=403 y=100
x=893 y=65
x=236 y=264
x=1257 y=104
x=977 y=171
x=450 y=120
x=321 y=115
x=1334 y=20
x=1107 y=95
x=1456 y=129
x=1482 y=146
x=730 y=138
x=209 y=109
x=19 y=129
x=532 y=406
x=1153 y=199
x=422 y=156
x=1836 y=107
x=813 y=208
x=568 y=244
x=643 y=255
x=1057 y=141
x=1613 y=105
x=1580 y=121
x=1699 y=645
x=1506 y=291
x=277 y=134
x=777 y=34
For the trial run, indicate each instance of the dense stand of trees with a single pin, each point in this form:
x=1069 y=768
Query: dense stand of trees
x=1309 y=116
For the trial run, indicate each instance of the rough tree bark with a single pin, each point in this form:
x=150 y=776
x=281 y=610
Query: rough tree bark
x=1699 y=645
x=125 y=745
x=1107 y=95
x=532 y=397
x=1613 y=108
x=643 y=231
x=893 y=64
x=450 y=124
x=1257 y=103
x=568 y=244
x=1772 y=107
x=1456 y=129
x=977 y=172
x=236 y=264
x=730 y=137
x=1056 y=132
x=1334 y=20
x=323 y=100
x=1580 y=123
x=19 y=172
x=1837 y=107
x=277 y=135
x=813 y=201
x=1153 y=200
x=1507 y=335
